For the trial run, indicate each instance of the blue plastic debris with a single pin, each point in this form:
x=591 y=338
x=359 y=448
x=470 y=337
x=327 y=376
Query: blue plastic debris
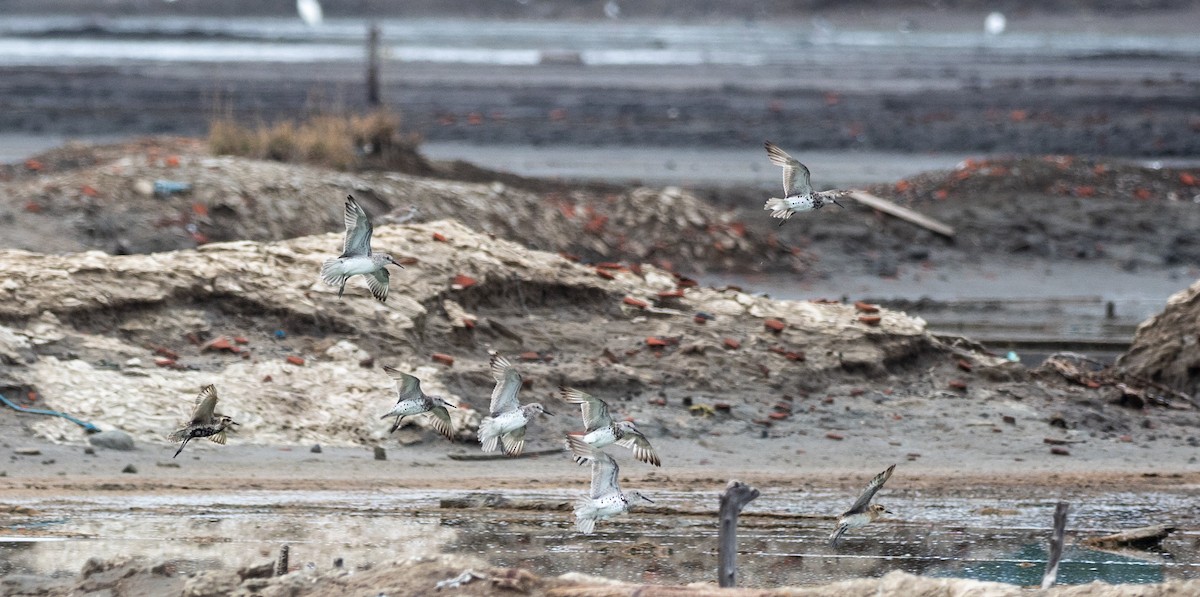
x=1012 y=356
x=88 y=427
x=166 y=188
x=280 y=334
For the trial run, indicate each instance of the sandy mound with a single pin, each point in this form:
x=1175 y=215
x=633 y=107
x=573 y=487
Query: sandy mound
x=120 y=199
x=87 y=330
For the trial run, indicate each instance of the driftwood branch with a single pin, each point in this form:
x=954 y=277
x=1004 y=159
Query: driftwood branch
x=903 y=213
x=733 y=499
x=1143 y=538
x=1056 y=545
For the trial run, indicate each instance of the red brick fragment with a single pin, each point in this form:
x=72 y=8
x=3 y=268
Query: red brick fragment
x=836 y=436
x=957 y=385
x=221 y=343
x=639 y=303
x=655 y=342
x=607 y=275
x=866 y=307
x=241 y=339
x=530 y=356
x=162 y=351
x=870 y=319
x=464 y=281
x=777 y=416
x=439 y=237
x=443 y=358
x=774 y=325
x=732 y=343
x=609 y=265
x=1059 y=451
x=671 y=294
x=295 y=360
x=965 y=365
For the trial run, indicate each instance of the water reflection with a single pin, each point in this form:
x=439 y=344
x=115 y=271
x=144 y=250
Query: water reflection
x=939 y=536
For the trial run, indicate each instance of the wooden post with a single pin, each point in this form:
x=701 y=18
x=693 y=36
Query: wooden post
x=281 y=565
x=1056 y=545
x=373 y=66
x=733 y=499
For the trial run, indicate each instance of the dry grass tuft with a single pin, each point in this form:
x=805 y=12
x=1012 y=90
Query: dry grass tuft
x=372 y=141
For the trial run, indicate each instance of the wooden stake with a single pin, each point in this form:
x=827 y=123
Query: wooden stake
x=733 y=499
x=1056 y=545
x=281 y=565
x=373 y=66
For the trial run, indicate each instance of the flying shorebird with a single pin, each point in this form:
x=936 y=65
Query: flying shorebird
x=605 y=500
x=798 y=194
x=412 y=401
x=508 y=417
x=861 y=513
x=204 y=422
x=602 y=431
x=356 y=257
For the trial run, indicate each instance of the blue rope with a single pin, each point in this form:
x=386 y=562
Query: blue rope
x=37 y=411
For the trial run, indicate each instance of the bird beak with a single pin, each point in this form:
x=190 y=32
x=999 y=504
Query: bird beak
x=547 y=413
x=646 y=498
x=835 y=202
x=387 y=415
x=886 y=511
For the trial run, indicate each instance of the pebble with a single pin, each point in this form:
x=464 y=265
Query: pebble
x=113 y=439
x=129 y=468
x=316 y=449
x=89 y=451
x=380 y=453
x=27 y=452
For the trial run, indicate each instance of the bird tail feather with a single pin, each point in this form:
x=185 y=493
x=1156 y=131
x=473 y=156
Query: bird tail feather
x=489 y=436
x=778 y=208
x=331 y=274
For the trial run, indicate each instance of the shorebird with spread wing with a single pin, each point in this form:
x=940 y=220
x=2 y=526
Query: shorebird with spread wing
x=605 y=499
x=508 y=418
x=205 y=422
x=357 y=257
x=863 y=511
x=411 y=400
x=600 y=430
x=798 y=194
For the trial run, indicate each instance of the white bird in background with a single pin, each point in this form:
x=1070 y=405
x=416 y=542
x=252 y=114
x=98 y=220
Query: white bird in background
x=310 y=12
x=612 y=10
x=995 y=23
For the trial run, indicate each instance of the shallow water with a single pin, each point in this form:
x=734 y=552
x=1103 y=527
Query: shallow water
x=937 y=535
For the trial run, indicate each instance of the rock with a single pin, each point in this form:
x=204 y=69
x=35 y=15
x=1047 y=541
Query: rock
x=129 y=469
x=1166 y=347
x=113 y=439
x=380 y=453
x=316 y=449
x=27 y=452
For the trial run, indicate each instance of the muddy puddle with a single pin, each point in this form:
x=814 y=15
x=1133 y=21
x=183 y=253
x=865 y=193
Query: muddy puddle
x=978 y=538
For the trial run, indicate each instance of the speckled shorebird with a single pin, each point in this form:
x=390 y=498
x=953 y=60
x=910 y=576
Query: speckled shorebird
x=798 y=194
x=605 y=500
x=204 y=422
x=412 y=401
x=863 y=511
x=356 y=257
x=506 y=424
x=601 y=430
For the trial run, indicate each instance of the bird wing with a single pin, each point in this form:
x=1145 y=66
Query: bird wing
x=865 y=497
x=377 y=281
x=508 y=385
x=604 y=474
x=795 y=175
x=407 y=386
x=595 y=410
x=358 y=229
x=640 y=446
x=206 y=402
x=441 y=421
x=218 y=438
x=513 y=441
